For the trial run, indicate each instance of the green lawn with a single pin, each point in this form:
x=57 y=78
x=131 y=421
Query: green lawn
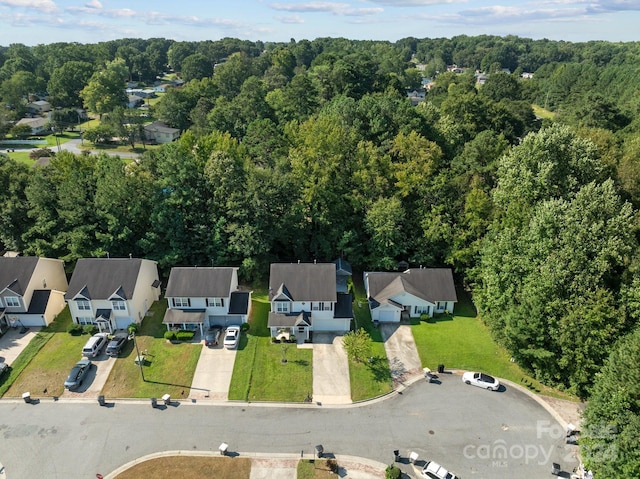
x=259 y=373
x=45 y=362
x=462 y=341
x=542 y=112
x=313 y=469
x=168 y=368
x=372 y=378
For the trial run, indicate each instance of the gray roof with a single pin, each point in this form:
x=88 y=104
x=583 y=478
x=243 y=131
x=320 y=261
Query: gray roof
x=304 y=281
x=176 y=316
x=277 y=320
x=196 y=282
x=15 y=273
x=430 y=284
x=158 y=126
x=102 y=278
x=343 y=268
x=39 y=301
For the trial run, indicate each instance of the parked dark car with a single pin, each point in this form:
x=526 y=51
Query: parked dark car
x=117 y=343
x=4 y=367
x=77 y=374
x=213 y=336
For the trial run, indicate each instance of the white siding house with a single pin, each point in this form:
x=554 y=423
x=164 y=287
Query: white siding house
x=412 y=293
x=112 y=292
x=201 y=297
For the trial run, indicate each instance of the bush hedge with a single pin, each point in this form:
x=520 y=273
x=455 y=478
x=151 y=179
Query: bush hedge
x=74 y=329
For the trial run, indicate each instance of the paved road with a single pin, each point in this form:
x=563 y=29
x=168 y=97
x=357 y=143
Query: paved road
x=473 y=432
x=74 y=146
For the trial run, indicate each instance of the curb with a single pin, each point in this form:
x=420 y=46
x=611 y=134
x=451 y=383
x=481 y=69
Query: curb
x=250 y=455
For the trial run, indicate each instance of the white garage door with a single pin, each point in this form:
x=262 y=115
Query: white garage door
x=386 y=316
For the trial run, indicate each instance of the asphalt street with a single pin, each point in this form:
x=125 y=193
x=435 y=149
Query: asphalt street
x=472 y=432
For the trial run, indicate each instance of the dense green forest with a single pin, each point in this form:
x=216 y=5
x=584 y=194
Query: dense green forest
x=311 y=150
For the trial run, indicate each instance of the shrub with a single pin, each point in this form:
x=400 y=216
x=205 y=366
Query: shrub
x=40 y=153
x=333 y=465
x=185 y=335
x=392 y=472
x=133 y=328
x=244 y=327
x=74 y=329
x=170 y=335
x=90 y=329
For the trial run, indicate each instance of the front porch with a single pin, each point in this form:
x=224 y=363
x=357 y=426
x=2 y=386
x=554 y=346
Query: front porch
x=290 y=326
x=184 y=319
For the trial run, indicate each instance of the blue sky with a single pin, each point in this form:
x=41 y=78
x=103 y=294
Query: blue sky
x=88 y=21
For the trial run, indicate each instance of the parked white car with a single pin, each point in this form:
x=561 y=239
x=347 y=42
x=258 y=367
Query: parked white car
x=232 y=337
x=433 y=470
x=481 y=380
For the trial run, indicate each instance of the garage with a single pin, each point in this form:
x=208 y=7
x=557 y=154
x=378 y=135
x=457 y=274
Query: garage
x=224 y=321
x=387 y=316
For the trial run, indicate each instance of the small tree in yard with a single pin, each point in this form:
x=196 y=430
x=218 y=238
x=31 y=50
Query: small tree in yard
x=357 y=344
x=392 y=472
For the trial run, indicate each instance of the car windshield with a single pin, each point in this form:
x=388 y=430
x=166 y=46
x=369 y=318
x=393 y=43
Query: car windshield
x=486 y=378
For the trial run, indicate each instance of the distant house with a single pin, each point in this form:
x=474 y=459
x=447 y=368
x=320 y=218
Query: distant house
x=481 y=78
x=38 y=125
x=112 y=292
x=412 y=293
x=526 y=75
x=343 y=275
x=304 y=298
x=161 y=133
x=134 y=101
x=416 y=95
x=39 y=107
x=31 y=291
x=201 y=297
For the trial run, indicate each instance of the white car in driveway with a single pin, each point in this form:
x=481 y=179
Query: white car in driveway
x=433 y=470
x=232 y=337
x=481 y=380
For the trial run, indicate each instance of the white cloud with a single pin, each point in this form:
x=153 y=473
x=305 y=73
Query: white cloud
x=46 y=6
x=291 y=19
x=415 y=3
x=342 y=9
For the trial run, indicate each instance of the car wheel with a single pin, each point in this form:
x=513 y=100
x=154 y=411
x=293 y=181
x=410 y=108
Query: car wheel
x=467 y=382
x=490 y=388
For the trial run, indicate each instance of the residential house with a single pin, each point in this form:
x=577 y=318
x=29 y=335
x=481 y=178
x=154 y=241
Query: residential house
x=134 y=101
x=201 y=297
x=416 y=95
x=38 y=125
x=39 y=106
x=112 y=292
x=31 y=291
x=343 y=275
x=411 y=293
x=304 y=298
x=161 y=133
x=526 y=75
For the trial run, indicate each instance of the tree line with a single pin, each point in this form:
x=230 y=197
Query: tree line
x=311 y=150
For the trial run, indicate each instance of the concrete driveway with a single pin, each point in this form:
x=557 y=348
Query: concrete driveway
x=95 y=380
x=401 y=351
x=13 y=342
x=330 y=370
x=213 y=373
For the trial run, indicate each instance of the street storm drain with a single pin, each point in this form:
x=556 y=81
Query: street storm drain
x=431 y=433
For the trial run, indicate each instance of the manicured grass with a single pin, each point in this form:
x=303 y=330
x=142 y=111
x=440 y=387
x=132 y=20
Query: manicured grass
x=21 y=157
x=313 y=469
x=372 y=378
x=168 y=367
x=462 y=341
x=259 y=374
x=190 y=467
x=45 y=363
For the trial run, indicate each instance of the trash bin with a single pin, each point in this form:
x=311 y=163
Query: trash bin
x=396 y=455
x=26 y=397
x=154 y=402
x=101 y=400
x=319 y=450
x=555 y=469
x=440 y=368
x=167 y=399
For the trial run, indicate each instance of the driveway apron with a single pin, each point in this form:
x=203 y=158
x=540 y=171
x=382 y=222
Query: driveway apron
x=213 y=373
x=330 y=370
x=13 y=342
x=96 y=378
x=400 y=346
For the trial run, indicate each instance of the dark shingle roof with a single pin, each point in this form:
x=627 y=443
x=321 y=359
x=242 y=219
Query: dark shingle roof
x=16 y=272
x=304 y=281
x=239 y=302
x=198 y=282
x=344 y=306
x=39 y=301
x=430 y=284
x=100 y=278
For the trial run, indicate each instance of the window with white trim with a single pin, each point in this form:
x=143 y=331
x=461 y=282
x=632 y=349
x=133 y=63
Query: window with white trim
x=181 y=302
x=282 y=306
x=85 y=320
x=83 y=305
x=12 y=301
x=423 y=309
x=215 y=302
x=441 y=305
x=119 y=305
